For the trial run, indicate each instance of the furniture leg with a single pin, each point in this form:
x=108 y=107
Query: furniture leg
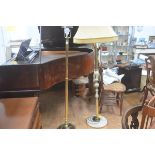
x=121 y=103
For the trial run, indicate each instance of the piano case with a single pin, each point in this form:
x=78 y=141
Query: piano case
x=20 y=113
x=53 y=36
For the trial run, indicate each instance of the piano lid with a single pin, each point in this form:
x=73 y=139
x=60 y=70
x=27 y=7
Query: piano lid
x=53 y=36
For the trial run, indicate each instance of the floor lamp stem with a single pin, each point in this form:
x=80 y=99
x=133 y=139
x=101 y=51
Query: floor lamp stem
x=66 y=82
x=96 y=81
x=66 y=125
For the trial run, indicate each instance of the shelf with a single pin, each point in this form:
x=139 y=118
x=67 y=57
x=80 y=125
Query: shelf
x=122 y=45
x=119 y=45
x=120 y=35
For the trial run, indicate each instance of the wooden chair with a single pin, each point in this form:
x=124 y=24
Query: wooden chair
x=150 y=80
x=116 y=88
x=148 y=114
x=131 y=117
x=20 y=113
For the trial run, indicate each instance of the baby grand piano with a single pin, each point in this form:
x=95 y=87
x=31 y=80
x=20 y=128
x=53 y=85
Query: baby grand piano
x=28 y=78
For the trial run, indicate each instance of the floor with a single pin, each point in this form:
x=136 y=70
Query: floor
x=52 y=109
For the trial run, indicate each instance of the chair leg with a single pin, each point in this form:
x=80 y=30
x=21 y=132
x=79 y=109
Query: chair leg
x=121 y=103
x=100 y=108
x=100 y=103
x=145 y=94
x=117 y=98
x=73 y=88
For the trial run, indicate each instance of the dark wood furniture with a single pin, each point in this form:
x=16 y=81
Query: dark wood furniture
x=148 y=113
x=130 y=117
x=20 y=113
x=28 y=79
x=22 y=79
x=140 y=116
x=132 y=77
x=149 y=88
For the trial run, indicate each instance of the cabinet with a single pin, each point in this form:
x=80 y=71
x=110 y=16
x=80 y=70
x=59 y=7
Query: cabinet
x=123 y=36
x=121 y=50
x=145 y=51
x=132 y=77
x=123 y=45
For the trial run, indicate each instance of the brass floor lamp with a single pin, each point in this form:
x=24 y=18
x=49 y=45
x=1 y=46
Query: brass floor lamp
x=93 y=35
x=66 y=125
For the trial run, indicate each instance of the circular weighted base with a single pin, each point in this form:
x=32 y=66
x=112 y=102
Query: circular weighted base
x=66 y=126
x=97 y=122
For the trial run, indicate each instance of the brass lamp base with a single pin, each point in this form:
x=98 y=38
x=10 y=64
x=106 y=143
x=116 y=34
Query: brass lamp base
x=97 y=122
x=66 y=126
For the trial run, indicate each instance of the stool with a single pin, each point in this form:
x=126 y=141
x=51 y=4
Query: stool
x=118 y=90
x=20 y=113
x=79 y=86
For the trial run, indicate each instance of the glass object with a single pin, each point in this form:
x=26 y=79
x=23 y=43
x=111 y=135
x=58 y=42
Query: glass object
x=111 y=59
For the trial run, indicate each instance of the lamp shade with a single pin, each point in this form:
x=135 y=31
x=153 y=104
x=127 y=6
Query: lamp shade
x=94 y=34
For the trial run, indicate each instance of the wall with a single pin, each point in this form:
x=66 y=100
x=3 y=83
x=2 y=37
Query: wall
x=2 y=46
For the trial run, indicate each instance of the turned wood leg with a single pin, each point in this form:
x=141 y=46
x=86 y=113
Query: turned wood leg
x=117 y=98
x=100 y=103
x=91 y=85
x=121 y=103
x=144 y=97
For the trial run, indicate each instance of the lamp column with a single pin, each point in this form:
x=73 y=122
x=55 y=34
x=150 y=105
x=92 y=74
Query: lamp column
x=66 y=125
x=96 y=121
x=96 y=84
